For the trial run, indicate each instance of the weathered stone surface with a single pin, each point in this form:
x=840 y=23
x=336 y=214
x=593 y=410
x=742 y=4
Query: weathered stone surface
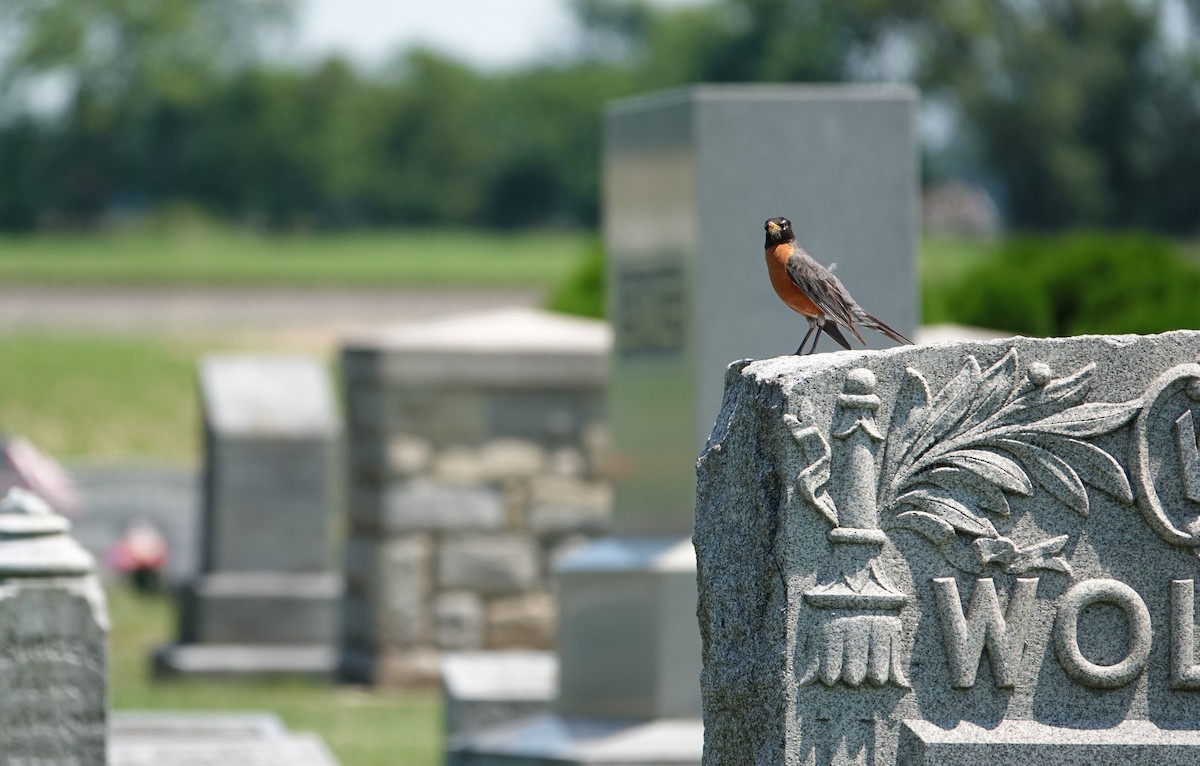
x=53 y=641
x=515 y=348
x=400 y=589
x=627 y=643
x=234 y=660
x=870 y=525
x=295 y=750
x=267 y=396
x=484 y=689
x=521 y=622
x=509 y=459
x=558 y=739
x=408 y=455
x=498 y=563
x=422 y=504
x=261 y=608
x=459 y=620
x=560 y=505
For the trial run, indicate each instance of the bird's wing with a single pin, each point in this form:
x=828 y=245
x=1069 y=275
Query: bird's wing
x=822 y=288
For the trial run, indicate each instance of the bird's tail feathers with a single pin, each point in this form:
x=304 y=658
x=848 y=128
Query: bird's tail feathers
x=832 y=330
x=869 y=320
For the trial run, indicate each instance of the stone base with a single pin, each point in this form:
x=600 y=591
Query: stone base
x=202 y=739
x=486 y=689
x=558 y=740
x=261 y=608
x=628 y=641
x=1132 y=743
x=243 y=659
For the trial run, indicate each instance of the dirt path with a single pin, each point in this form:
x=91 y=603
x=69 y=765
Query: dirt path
x=319 y=315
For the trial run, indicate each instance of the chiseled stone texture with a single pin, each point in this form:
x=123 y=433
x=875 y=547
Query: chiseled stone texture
x=871 y=525
x=53 y=641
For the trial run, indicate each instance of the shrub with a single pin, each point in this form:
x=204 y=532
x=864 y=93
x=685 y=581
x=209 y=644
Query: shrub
x=582 y=292
x=1080 y=283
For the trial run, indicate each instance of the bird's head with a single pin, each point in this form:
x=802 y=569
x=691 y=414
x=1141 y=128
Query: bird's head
x=779 y=230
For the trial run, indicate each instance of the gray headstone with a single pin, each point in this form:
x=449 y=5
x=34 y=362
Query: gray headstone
x=484 y=689
x=690 y=177
x=267 y=590
x=271 y=463
x=53 y=641
x=872 y=525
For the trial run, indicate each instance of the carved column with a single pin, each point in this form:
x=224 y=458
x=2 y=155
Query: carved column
x=858 y=629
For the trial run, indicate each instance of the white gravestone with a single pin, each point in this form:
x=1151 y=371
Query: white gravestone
x=53 y=641
x=690 y=177
x=960 y=554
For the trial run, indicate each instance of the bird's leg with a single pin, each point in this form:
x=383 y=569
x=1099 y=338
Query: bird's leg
x=810 y=329
x=813 y=347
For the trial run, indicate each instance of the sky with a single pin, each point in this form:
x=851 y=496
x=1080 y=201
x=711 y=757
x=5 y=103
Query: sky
x=492 y=34
x=489 y=33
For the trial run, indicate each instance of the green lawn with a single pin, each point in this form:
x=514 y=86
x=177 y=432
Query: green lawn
x=361 y=727
x=218 y=256
x=103 y=397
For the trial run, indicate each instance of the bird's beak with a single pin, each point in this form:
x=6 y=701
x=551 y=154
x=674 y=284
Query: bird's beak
x=772 y=227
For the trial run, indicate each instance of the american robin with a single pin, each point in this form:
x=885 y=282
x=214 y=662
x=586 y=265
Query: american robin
x=812 y=291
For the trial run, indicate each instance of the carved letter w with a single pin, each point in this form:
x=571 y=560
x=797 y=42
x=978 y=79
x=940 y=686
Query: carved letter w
x=983 y=625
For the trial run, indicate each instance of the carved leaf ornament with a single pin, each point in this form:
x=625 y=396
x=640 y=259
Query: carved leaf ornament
x=954 y=458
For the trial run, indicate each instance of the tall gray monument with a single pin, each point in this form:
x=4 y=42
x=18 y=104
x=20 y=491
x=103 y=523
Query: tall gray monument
x=53 y=641
x=690 y=176
x=871 y=526
x=267 y=596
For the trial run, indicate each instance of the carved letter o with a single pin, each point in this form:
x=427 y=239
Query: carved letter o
x=1066 y=638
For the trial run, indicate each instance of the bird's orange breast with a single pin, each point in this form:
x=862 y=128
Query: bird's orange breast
x=777 y=258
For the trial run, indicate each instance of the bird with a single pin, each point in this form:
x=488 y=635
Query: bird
x=813 y=292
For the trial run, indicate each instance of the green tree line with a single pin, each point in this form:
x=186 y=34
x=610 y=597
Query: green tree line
x=1070 y=111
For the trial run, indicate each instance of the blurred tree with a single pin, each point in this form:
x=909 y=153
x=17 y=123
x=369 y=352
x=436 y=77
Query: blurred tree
x=1078 y=105
x=131 y=71
x=1084 y=111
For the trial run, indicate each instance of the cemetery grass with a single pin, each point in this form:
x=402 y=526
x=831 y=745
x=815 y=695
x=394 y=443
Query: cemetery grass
x=361 y=727
x=103 y=397
x=220 y=256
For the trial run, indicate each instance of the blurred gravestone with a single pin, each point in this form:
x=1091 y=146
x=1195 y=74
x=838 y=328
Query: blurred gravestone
x=167 y=738
x=267 y=597
x=53 y=641
x=690 y=176
x=871 y=525
x=475 y=448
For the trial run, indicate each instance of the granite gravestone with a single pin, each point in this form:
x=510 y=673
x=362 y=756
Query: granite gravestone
x=267 y=596
x=958 y=554
x=690 y=176
x=53 y=641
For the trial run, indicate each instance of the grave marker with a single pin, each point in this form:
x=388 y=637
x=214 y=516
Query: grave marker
x=267 y=597
x=690 y=176
x=53 y=641
x=871 y=526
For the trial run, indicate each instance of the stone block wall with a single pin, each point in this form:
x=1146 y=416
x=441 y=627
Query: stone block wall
x=471 y=467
